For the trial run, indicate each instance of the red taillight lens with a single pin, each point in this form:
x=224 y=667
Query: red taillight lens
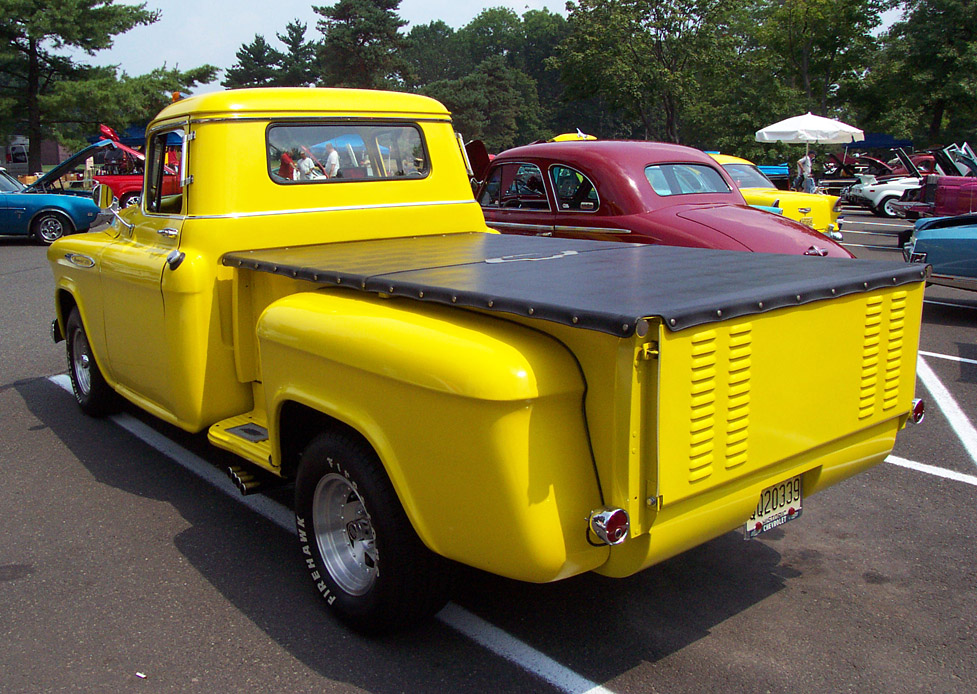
x=918 y=411
x=610 y=525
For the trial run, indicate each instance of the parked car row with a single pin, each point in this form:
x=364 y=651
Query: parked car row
x=902 y=196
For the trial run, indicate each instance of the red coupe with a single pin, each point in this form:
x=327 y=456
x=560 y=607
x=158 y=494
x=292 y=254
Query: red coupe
x=634 y=191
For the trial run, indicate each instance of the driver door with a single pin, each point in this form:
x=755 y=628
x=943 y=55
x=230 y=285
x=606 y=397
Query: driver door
x=132 y=285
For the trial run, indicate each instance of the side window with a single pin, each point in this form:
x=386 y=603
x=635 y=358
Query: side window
x=573 y=190
x=684 y=179
x=335 y=153
x=515 y=186
x=165 y=172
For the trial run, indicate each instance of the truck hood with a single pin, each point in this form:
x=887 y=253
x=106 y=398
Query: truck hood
x=761 y=231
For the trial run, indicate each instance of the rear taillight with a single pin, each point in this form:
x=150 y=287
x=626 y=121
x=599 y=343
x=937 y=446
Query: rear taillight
x=918 y=411
x=610 y=525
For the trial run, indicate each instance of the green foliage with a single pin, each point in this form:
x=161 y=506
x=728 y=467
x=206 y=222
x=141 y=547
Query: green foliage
x=642 y=56
x=434 y=52
x=930 y=66
x=818 y=42
x=496 y=103
x=261 y=65
x=361 y=44
x=32 y=31
x=256 y=66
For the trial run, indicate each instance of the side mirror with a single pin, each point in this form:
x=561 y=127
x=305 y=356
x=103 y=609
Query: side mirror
x=102 y=195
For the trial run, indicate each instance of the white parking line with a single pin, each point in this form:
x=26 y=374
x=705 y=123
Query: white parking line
x=951 y=410
x=933 y=470
x=947 y=356
x=898 y=225
x=458 y=618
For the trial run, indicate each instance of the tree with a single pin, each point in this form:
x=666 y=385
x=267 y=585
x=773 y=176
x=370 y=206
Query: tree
x=929 y=67
x=297 y=61
x=434 y=52
x=819 y=42
x=256 y=66
x=261 y=65
x=361 y=44
x=495 y=103
x=642 y=56
x=32 y=31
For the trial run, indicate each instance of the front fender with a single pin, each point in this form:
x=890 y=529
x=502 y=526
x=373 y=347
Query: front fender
x=478 y=421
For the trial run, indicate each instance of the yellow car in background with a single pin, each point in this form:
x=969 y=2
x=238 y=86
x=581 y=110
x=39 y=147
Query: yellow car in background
x=817 y=211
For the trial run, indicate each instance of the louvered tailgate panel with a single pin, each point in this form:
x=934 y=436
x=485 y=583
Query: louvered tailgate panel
x=740 y=396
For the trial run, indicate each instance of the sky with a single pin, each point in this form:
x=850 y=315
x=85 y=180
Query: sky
x=191 y=33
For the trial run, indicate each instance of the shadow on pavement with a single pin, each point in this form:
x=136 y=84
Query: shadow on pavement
x=597 y=627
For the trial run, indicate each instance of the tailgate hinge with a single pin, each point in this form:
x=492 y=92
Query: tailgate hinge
x=648 y=351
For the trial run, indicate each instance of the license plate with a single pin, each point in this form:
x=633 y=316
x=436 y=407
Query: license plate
x=808 y=221
x=778 y=504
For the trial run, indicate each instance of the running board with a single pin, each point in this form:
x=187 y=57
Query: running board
x=245 y=436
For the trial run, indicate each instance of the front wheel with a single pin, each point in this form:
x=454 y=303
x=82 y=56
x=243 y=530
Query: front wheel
x=48 y=227
x=130 y=200
x=93 y=394
x=364 y=557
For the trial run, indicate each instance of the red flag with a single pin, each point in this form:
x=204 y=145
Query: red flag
x=108 y=133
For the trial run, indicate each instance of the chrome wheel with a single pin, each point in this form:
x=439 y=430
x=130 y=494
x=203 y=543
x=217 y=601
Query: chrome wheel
x=344 y=534
x=49 y=228
x=81 y=361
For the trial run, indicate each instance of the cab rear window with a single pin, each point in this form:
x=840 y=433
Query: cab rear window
x=343 y=152
x=685 y=179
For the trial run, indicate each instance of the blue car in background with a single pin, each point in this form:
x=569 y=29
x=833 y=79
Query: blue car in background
x=45 y=216
x=949 y=245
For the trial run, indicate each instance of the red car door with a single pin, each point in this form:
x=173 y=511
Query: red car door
x=514 y=200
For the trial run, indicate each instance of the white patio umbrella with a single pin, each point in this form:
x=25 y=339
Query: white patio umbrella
x=809 y=129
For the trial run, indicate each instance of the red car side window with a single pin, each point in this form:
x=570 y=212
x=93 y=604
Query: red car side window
x=573 y=190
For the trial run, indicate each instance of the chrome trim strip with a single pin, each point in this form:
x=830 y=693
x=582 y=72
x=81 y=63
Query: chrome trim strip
x=590 y=230
x=338 y=208
x=515 y=226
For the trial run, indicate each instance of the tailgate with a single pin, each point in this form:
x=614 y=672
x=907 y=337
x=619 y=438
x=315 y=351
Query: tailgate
x=747 y=397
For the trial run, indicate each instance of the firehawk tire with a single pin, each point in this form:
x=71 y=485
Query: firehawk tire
x=359 y=547
x=93 y=394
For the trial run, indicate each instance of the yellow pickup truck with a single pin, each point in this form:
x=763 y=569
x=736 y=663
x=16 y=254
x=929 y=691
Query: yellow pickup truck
x=322 y=296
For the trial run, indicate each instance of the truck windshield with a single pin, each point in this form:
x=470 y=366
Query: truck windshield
x=331 y=153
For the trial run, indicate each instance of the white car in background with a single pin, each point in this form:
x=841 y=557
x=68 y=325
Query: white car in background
x=878 y=196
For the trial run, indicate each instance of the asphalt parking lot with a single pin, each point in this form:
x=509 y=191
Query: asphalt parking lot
x=129 y=563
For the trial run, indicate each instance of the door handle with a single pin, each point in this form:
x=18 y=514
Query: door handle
x=168 y=232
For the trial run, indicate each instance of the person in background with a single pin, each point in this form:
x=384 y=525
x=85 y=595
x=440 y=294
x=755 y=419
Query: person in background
x=332 y=161
x=805 y=172
x=306 y=167
x=287 y=167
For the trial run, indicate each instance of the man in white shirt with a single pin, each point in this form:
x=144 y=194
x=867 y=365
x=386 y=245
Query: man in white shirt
x=805 y=172
x=305 y=167
x=332 y=161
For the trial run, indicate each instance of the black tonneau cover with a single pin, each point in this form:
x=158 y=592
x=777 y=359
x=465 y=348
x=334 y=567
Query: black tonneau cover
x=605 y=286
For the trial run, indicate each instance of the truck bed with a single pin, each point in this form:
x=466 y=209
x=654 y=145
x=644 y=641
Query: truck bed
x=604 y=286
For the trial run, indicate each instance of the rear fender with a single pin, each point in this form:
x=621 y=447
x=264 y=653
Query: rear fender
x=478 y=421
